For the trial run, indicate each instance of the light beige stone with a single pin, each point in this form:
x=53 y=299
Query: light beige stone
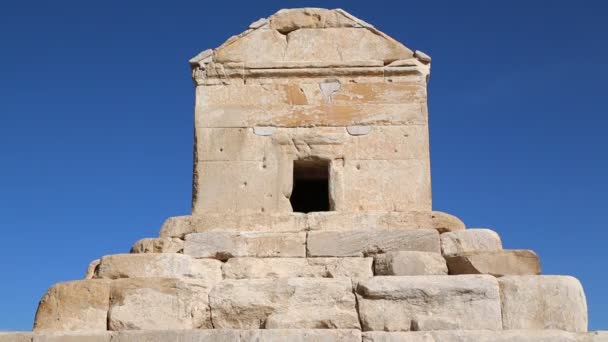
x=91 y=269
x=496 y=263
x=405 y=263
x=364 y=242
x=543 y=302
x=158 y=245
x=595 y=336
x=225 y=245
x=159 y=265
x=15 y=336
x=303 y=303
x=288 y=20
x=74 y=305
x=242 y=268
x=81 y=336
x=230 y=335
x=470 y=240
x=423 y=57
x=179 y=226
x=159 y=303
x=471 y=336
x=423 y=303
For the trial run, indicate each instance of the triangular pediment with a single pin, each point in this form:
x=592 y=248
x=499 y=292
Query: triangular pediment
x=309 y=35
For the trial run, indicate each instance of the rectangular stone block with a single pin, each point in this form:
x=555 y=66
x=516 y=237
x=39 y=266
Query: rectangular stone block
x=81 y=336
x=15 y=336
x=543 y=302
x=284 y=303
x=424 y=303
x=229 y=335
x=225 y=245
x=387 y=185
x=240 y=186
x=159 y=304
x=365 y=242
x=74 y=305
x=472 y=336
x=158 y=245
x=250 y=268
x=412 y=263
x=496 y=263
x=159 y=265
x=470 y=240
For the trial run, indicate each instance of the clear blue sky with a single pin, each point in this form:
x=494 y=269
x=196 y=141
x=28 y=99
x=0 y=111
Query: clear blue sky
x=96 y=109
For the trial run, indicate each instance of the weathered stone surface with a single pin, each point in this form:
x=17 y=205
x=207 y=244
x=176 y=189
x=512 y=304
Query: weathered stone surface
x=15 y=336
x=225 y=245
x=228 y=335
x=470 y=240
x=159 y=303
x=405 y=263
x=304 y=303
x=74 y=305
x=472 y=336
x=369 y=242
x=496 y=263
x=543 y=302
x=179 y=226
x=288 y=20
x=91 y=269
x=242 y=268
x=76 y=336
x=159 y=265
x=429 y=303
x=158 y=245
x=595 y=336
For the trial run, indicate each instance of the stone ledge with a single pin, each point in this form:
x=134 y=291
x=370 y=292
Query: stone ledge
x=179 y=226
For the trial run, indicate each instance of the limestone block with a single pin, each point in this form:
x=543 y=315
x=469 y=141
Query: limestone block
x=179 y=226
x=496 y=263
x=224 y=245
x=471 y=336
x=390 y=143
x=595 y=336
x=259 y=45
x=158 y=245
x=91 y=269
x=429 y=303
x=76 y=336
x=543 y=302
x=242 y=268
x=229 y=335
x=159 y=303
x=440 y=221
x=404 y=185
x=15 y=336
x=227 y=144
x=412 y=263
x=159 y=265
x=288 y=20
x=74 y=305
x=240 y=186
x=284 y=303
x=336 y=44
x=364 y=242
x=470 y=240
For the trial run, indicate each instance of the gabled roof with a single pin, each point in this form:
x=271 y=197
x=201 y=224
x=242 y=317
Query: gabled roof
x=308 y=35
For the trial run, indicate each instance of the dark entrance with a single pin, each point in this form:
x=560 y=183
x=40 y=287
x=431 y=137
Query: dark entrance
x=310 y=185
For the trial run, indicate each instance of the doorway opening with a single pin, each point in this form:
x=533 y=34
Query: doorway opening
x=310 y=186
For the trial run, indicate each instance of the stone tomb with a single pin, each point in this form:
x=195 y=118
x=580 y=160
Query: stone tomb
x=311 y=214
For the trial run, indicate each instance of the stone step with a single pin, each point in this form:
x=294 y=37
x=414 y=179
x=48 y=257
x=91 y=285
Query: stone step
x=470 y=240
x=180 y=226
x=224 y=245
x=496 y=263
x=307 y=335
x=381 y=303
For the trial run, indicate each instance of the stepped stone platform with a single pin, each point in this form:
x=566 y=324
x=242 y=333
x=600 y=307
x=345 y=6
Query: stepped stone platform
x=312 y=217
